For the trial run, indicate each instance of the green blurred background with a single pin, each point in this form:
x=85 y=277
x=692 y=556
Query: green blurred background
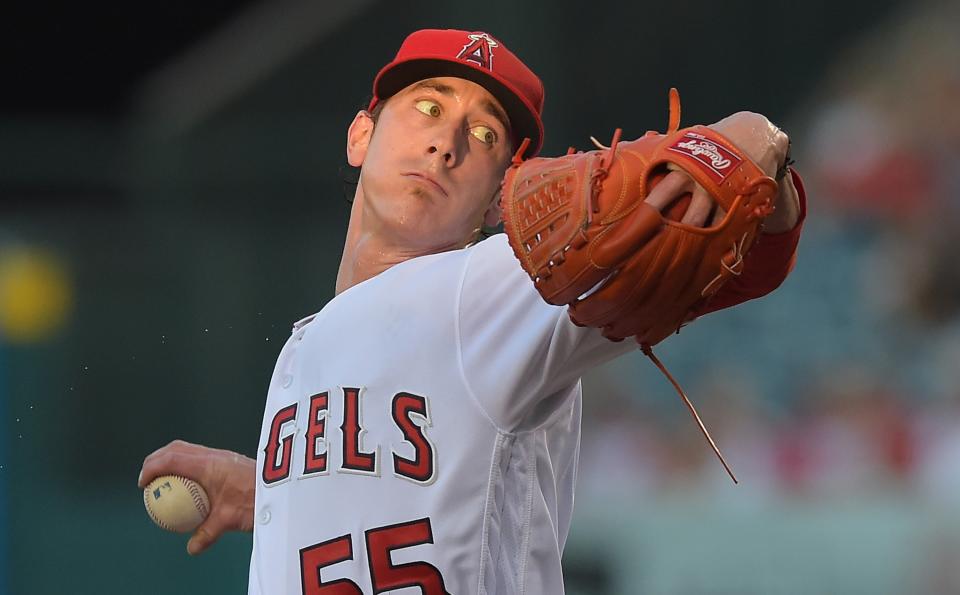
x=172 y=198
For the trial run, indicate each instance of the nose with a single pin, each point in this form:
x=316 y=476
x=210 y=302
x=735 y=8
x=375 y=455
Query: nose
x=448 y=144
x=447 y=155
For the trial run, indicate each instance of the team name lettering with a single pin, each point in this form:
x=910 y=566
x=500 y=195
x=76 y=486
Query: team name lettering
x=354 y=460
x=406 y=409
x=315 y=459
x=276 y=460
x=420 y=468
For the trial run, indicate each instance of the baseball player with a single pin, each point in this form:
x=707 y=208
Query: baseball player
x=421 y=432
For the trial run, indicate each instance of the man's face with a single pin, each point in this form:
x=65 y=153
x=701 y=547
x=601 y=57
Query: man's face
x=431 y=170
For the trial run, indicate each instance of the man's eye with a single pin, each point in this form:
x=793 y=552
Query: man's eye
x=484 y=134
x=428 y=107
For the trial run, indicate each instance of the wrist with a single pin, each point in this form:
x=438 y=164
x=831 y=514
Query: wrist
x=785 y=164
x=786 y=212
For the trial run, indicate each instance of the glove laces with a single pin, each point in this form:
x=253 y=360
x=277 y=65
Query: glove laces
x=648 y=351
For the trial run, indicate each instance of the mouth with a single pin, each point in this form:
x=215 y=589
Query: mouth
x=427 y=180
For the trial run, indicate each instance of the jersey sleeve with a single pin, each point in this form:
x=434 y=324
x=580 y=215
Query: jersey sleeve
x=765 y=267
x=520 y=356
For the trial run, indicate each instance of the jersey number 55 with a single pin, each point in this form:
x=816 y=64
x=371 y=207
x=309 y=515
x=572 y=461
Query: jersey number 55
x=384 y=574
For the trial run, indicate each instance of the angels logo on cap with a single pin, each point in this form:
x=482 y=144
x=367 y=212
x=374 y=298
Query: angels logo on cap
x=479 y=50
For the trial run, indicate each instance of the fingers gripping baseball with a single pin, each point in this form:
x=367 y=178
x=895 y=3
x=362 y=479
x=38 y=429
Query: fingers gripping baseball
x=222 y=519
x=228 y=478
x=232 y=502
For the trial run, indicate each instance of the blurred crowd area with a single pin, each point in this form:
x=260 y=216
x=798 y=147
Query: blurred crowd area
x=847 y=379
x=146 y=278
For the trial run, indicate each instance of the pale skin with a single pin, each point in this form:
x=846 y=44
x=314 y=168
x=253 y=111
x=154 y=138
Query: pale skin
x=429 y=178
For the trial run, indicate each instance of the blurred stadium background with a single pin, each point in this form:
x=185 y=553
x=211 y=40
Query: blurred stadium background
x=172 y=199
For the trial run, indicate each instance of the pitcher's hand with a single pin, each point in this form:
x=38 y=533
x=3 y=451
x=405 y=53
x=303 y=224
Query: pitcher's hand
x=229 y=479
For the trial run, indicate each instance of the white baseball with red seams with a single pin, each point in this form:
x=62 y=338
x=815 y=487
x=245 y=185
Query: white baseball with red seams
x=421 y=433
x=176 y=503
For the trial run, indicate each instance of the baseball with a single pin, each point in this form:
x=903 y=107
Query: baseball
x=176 y=503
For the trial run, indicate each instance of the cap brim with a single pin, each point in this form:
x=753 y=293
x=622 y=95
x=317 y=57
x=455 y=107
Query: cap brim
x=396 y=76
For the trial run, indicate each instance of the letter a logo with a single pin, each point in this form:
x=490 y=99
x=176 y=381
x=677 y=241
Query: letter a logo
x=479 y=50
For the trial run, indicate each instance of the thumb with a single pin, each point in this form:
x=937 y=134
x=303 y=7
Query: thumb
x=205 y=535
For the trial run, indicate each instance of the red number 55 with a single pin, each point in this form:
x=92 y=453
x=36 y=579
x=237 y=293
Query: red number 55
x=384 y=574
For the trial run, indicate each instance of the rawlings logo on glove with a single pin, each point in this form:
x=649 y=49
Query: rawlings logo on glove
x=719 y=157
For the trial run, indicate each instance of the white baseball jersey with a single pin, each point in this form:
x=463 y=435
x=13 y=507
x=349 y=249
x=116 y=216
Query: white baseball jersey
x=421 y=435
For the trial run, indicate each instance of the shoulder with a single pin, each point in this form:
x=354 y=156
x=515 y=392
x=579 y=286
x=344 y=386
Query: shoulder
x=495 y=256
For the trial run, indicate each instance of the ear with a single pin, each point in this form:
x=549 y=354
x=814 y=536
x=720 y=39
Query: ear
x=358 y=138
x=493 y=214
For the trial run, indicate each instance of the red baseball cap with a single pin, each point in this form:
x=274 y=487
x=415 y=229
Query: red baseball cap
x=475 y=56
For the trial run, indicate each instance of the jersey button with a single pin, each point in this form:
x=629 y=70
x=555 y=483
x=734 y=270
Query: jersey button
x=264 y=516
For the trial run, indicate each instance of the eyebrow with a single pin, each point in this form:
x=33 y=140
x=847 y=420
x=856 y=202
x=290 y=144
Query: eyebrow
x=488 y=105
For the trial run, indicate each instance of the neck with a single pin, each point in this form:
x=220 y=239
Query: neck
x=365 y=255
x=367 y=252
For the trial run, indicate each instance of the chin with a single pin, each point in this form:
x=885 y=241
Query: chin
x=416 y=220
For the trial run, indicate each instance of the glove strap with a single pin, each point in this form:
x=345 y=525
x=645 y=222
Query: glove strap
x=648 y=351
